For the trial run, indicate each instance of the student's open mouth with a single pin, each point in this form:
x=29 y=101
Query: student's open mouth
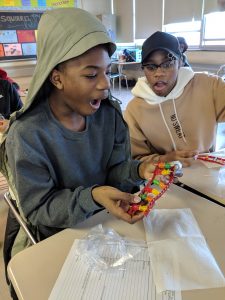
x=159 y=86
x=95 y=103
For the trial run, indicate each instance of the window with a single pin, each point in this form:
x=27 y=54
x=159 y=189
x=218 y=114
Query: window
x=206 y=32
x=200 y=22
x=191 y=31
x=213 y=30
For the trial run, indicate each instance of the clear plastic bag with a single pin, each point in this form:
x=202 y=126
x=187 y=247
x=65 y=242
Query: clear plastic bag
x=103 y=249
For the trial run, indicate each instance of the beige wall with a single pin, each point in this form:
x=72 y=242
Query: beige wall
x=200 y=60
x=206 y=60
x=96 y=7
x=20 y=68
x=207 y=57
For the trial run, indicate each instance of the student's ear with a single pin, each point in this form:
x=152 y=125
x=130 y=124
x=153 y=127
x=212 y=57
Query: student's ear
x=55 y=78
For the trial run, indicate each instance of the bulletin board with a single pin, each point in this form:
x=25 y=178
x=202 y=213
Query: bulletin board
x=18 y=34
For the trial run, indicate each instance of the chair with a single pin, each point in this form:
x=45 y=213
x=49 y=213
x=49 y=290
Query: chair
x=14 y=222
x=10 y=203
x=221 y=72
x=113 y=76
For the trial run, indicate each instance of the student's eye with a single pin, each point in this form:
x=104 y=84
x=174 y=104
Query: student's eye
x=151 y=67
x=90 y=76
x=166 y=65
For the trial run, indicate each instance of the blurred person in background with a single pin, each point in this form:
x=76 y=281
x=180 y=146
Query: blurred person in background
x=9 y=102
x=183 y=48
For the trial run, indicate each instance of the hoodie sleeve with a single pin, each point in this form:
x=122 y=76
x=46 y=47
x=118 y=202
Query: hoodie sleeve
x=141 y=148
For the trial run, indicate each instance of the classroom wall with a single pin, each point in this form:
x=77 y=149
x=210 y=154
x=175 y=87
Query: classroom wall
x=150 y=17
x=201 y=60
x=96 y=7
x=23 y=68
x=209 y=61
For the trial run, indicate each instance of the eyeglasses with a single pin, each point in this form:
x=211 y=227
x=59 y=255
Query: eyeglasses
x=166 y=65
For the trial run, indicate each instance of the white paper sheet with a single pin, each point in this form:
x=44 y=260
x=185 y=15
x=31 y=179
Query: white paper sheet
x=180 y=257
x=78 y=281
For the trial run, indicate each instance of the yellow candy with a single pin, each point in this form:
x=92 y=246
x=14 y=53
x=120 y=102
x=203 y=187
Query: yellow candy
x=143 y=207
x=165 y=172
x=155 y=191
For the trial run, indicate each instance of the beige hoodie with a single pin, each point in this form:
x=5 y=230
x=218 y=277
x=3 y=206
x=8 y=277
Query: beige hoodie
x=186 y=119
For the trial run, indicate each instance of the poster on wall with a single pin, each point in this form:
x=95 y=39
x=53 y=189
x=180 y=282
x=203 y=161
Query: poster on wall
x=18 y=33
x=38 y=3
x=18 y=28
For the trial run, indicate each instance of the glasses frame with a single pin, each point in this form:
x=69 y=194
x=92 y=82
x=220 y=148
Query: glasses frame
x=165 y=66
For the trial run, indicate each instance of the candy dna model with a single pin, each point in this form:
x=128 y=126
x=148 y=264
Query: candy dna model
x=154 y=188
x=212 y=158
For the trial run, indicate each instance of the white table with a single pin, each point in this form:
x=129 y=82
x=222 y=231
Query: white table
x=204 y=180
x=34 y=271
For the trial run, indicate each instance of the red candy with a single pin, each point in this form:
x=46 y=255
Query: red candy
x=149 y=193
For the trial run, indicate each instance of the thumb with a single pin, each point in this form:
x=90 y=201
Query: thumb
x=125 y=197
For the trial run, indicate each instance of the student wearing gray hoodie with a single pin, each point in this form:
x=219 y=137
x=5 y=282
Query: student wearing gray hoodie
x=68 y=150
x=175 y=112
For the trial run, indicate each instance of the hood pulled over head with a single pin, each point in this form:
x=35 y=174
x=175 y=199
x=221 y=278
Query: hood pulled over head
x=64 y=34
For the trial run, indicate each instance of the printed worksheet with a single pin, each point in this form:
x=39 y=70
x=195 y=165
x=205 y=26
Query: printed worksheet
x=133 y=280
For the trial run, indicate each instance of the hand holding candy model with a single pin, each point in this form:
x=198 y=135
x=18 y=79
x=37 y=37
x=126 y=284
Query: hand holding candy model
x=186 y=157
x=164 y=174
x=123 y=205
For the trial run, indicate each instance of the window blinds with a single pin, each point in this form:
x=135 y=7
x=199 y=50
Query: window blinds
x=148 y=17
x=124 y=12
x=176 y=11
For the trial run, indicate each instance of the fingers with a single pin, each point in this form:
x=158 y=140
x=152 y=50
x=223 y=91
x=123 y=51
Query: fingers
x=146 y=168
x=106 y=194
x=186 y=157
x=127 y=217
x=186 y=162
x=123 y=215
x=116 y=202
x=137 y=217
x=123 y=197
x=187 y=153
